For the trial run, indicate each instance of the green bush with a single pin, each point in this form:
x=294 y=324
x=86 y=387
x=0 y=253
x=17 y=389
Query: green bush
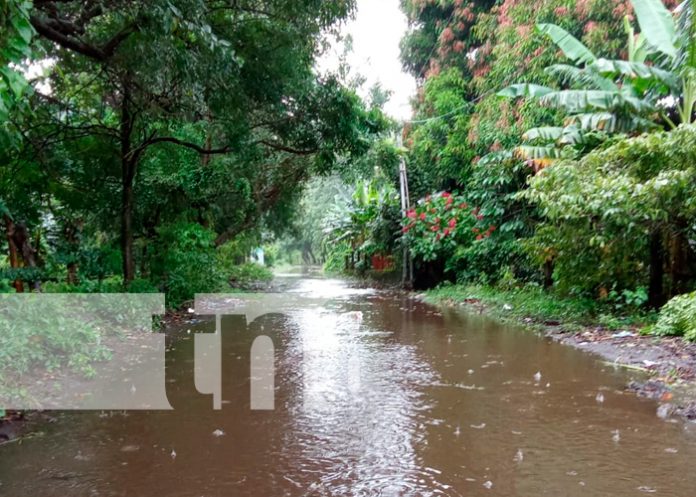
x=187 y=262
x=602 y=211
x=678 y=317
x=336 y=257
x=113 y=284
x=49 y=335
x=247 y=274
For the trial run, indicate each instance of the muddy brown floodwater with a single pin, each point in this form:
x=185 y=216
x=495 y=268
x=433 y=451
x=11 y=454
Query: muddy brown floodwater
x=408 y=401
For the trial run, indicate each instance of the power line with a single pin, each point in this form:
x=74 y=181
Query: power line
x=450 y=113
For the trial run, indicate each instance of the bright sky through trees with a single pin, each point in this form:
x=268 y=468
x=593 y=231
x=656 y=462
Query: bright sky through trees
x=377 y=29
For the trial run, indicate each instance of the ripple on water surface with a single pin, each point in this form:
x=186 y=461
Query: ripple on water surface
x=376 y=395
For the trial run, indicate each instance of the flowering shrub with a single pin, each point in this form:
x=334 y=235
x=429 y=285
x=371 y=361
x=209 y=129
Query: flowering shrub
x=441 y=223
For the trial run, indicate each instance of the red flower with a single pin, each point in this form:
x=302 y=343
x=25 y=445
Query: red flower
x=479 y=237
x=446 y=195
x=446 y=232
x=463 y=205
x=452 y=223
x=475 y=230
x=479 y=216
x=434 y=228
x=411 y=214
x=422 y=216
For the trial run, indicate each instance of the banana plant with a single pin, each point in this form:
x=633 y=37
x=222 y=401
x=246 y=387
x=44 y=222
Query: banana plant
x=673 y=36
x=603 y=96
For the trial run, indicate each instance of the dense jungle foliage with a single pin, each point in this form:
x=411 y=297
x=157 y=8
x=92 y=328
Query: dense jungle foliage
x=566 y=125
x=150 y=145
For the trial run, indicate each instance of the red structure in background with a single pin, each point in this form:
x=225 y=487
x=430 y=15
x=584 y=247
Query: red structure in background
x=382 y=262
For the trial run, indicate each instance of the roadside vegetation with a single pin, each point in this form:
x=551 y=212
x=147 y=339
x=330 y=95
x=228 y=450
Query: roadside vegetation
x=152 y=146
x=532 y=306
x=550 y=159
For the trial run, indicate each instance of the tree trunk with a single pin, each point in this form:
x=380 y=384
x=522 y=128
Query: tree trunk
x=548 y=273
x=679 y=247
x=72 y=274
x=128 y=164
x=22 y=241
x=656 y=295
x=13 y=252
x=127 y=233
x=72 y=240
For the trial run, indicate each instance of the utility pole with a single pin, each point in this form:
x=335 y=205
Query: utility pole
x=407 y=265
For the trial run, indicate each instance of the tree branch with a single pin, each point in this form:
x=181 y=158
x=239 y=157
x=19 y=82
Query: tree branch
x=285 y=148
x=50 y=29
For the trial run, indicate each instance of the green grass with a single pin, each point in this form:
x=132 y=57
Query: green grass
x=531 y=305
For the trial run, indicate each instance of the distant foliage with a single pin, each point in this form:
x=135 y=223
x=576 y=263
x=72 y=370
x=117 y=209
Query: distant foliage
x=247 y=275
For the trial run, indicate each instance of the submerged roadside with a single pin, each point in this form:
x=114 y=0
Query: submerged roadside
x=667 y=364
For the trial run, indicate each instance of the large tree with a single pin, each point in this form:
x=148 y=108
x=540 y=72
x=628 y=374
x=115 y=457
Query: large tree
x=217 y=78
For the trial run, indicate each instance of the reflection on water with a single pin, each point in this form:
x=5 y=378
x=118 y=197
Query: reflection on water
x=376 y=394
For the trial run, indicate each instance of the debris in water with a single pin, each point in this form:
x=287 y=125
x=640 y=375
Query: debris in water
x=537 y=376
x=623 y=334
x=671 y=450
x=173 y=454
x=297 y=484
x=616 y=436
x=218 y=433
x=600 y=398
x=130 y=448
x=479 y=427
x=471 y=371
x=647 y=490
x=457 y=431
x=519 y=457
x=354 y=315
x=664 y=411
x=488 y=484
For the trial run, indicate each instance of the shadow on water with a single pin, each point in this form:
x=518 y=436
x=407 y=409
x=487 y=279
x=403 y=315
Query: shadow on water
x=376 y=394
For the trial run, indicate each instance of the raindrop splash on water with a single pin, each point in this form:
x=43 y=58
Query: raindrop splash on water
x=616 y=436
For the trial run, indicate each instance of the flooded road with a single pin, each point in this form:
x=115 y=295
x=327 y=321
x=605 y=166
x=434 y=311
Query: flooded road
x=398 y=400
